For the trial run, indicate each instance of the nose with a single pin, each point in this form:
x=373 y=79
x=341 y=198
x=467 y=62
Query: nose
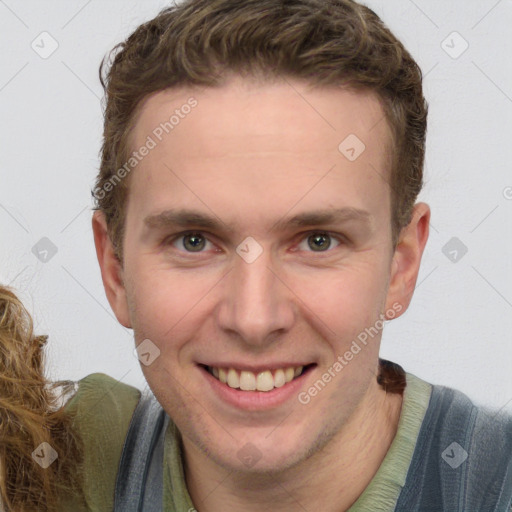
x=256 y=306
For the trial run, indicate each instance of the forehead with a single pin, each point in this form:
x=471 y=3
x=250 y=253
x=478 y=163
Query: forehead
x=257 y=137
x=281 y=111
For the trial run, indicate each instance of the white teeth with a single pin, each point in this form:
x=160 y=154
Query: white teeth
x=247 y=381
x=233 y=379
x=263 y=381
x=279 y=378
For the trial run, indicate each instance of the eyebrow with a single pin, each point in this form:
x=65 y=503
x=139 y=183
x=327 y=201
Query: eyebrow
x=192 y=218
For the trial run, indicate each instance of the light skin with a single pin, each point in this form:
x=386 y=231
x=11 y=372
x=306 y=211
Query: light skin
x=252 y=155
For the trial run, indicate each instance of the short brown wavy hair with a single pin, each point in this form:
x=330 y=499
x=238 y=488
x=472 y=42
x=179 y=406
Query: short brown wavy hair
x=323 y=42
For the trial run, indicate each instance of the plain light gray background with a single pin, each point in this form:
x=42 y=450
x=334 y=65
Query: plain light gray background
x=457 y=331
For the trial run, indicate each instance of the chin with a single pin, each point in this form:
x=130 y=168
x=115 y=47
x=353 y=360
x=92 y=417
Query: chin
x=261 y=454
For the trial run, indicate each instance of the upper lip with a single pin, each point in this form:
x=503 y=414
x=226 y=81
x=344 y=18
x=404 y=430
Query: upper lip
x=256 y=368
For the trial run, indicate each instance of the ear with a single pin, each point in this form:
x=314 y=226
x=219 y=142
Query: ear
x=406 y=261
x=111 y=270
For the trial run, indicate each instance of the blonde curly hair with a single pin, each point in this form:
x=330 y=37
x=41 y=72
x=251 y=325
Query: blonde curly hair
x=30 y=414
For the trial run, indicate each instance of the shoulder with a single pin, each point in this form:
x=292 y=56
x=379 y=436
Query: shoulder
x=463 y=455
x=102 y=407
x=453 y=408
x=103 y=392
x=462 y=429
x=449 y=408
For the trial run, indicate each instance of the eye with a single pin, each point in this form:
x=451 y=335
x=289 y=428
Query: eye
x=318 y=242
x=191 y=242
x=197 y=242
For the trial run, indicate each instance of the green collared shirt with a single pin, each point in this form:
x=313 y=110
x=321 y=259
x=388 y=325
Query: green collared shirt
x=104 y=408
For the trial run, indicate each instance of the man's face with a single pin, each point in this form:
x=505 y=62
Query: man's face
x=253 y=157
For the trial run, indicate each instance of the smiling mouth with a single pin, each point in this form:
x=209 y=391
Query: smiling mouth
x=262 y=381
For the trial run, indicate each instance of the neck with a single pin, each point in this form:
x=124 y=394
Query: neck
x=331 y=479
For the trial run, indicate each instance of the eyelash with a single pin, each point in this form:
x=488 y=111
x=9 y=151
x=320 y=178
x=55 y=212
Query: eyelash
x=304 y=236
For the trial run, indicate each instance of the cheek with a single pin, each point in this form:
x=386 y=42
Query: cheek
x=160 y=299
x=346 y=299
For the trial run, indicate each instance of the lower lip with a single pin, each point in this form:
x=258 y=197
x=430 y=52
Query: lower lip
x=256 y=400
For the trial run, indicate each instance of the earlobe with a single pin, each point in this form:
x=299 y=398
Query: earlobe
x=111 y=270
x=407 y=258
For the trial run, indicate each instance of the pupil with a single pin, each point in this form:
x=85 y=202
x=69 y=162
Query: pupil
x=320 y=242
x=193 y=242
